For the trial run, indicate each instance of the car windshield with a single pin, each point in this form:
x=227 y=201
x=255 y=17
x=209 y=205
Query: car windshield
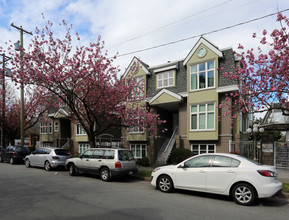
x=125 y=155
x=62 y=152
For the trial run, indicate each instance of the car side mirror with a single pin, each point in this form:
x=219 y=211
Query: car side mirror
x=182 y=165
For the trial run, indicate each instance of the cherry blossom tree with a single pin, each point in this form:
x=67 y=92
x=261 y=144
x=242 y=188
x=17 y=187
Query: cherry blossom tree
x=263 y=75
x=84 y=79
x=36 y=103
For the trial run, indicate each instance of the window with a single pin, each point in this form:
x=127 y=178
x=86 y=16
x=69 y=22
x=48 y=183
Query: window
x=80 y=130
x=43 y=128
x=83 y=147
x=139 y=89
x=165 y=79
x=98 y=154
x=87 y=154
x=203 y=117
x=50 y=128
x=56 y=126
x=221 y=161
x=203 y=75
x=139 y=150
x=203 y=148
x=202 y=161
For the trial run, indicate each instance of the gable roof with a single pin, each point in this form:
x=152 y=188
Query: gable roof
x=207 y=43
x=165 y=91
x=142 y=65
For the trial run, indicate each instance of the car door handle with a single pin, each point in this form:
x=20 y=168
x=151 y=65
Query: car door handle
x=99 y=160
x=231 y=171
x=203 y=171
x=87 y=159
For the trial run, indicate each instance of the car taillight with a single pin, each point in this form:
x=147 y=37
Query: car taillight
x=14 y=153
x=55 y=158
x=267 y=173
x=117 y=165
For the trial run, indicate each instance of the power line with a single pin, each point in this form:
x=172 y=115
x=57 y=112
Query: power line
x=199 y=35
x=169 y=24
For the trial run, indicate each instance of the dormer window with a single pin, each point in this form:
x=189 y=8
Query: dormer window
x=203 y=75
x=165 y=79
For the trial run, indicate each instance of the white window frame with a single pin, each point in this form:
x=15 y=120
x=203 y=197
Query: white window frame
x=142 y=148
x=206 y=112
x=49 y=128
x=202 y=150
x=80 y=130
x=160 y=79
x=56 y=126
x=206 y=71
x=43 y=128
x=83 y=147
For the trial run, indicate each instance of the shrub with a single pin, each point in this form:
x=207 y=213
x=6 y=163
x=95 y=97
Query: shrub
x=179 y=154
x=143 y=162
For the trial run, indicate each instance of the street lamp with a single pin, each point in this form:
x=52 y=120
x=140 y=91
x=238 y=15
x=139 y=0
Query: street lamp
x=256 y=130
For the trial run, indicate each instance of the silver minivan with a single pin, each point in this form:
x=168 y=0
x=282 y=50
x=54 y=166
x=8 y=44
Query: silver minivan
x=47 y=157
x=105 y=162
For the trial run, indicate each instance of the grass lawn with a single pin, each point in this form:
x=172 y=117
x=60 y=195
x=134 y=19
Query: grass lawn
x=144 y=173
x=286 y=187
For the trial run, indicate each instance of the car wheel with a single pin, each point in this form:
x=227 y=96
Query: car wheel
x=1 y=160
x=244 y=194
x=104 y=174
x=12 y=160
x=27 y=163
x=165 y=183
x=71 y=169
x=47 y=165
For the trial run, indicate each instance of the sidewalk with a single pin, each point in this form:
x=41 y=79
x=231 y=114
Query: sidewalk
x=283 y=175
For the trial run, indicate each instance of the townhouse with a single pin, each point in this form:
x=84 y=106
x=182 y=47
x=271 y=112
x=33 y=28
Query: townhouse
x=58 y=130
x=186 y=93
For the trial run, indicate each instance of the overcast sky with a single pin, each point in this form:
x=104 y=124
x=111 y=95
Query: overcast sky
x=131 y=25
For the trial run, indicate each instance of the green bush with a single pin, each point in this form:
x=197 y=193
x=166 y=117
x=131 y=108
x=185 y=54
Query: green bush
x=178 y=155
x=143 y=162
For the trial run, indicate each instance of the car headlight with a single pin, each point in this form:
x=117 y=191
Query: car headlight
x=156 y=169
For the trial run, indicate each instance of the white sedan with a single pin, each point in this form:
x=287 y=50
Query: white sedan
x=226 y=174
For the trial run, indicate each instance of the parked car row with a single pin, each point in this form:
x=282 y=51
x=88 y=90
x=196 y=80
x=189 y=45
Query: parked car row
x=226 y=174
x=105 y=162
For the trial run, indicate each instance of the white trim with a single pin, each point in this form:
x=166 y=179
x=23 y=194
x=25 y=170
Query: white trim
x=166 y=64
x=130 y=65
x=208 y=44
x=227 y=88
x=167 y=92
x=166 y=68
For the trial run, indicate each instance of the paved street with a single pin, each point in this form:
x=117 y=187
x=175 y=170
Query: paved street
x=33 y=193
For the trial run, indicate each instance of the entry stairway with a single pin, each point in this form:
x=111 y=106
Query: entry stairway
x=166 y=148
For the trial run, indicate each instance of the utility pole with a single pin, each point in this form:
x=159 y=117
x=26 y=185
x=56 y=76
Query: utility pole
x=4 y=59
x=22 y=84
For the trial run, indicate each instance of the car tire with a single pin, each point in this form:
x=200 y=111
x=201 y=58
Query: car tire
x=27 y=163
x=12 y=160
x=244 y=194
x=47 y=165
x=72 y=169
x=165 y=184
x=105 y=174
x=1 y=160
